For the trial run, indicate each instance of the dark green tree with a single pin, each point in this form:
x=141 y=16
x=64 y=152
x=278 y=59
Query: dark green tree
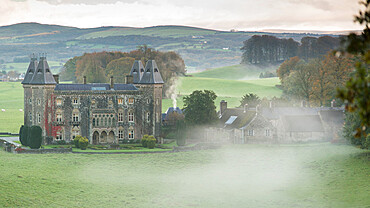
x=35 y=138
x=24 y=135
x=199 y=108
x=353 y=124
x=251 y=99
x=356 y=93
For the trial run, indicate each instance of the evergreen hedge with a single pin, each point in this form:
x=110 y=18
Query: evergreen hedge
x=24 y=135
x=35 y=137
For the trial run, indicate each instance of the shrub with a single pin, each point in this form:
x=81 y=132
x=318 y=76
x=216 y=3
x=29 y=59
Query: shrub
x=35 y=138
x=76 y=141
x=61 y=142
x=83 y=143
x=144 y=140
x=23 y=135
x=150 y=142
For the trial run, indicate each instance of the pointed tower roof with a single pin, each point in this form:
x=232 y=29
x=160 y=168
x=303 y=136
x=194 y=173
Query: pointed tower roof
x=43 y=74
x=137 y=71
x=151 y=74
x=30 y=71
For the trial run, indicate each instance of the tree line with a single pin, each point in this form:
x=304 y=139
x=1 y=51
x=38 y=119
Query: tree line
x=270 y=49
x=317 y=80
x=99 y=66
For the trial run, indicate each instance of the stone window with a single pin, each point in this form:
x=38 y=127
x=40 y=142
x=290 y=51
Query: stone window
x=130 y=116
x=59 y=135
x=75 y=132
x=120 y=101
x=59 y=117
x=147 y=101
x=75 y=101
x=157 y=101
x=120 y=134
x=75 y=115
x=267 y=132
x=93 y=121
x=59 y=102
x=120 y=117
x=93 y=103
x=148 y=117
x=131 y=101
x=38 y=102
x=30 y=101
x=250 y=132
x=38 y=118
x=131 y=134
x=30 y=115
x=110 y=104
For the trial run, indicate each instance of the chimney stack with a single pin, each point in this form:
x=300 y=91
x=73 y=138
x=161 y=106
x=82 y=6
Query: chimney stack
x=84 y=79
x=129 y=79
x=271 y=104
x=56 y=78
x=111 y=82
x=245 y=108
x=223 y=106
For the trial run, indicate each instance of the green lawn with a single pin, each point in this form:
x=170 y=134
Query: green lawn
x=11 y=100
x=321 y=175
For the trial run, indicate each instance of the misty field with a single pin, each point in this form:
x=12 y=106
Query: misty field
x=316 y=175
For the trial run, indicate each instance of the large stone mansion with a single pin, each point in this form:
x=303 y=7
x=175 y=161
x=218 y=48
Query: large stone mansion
x=104 y=113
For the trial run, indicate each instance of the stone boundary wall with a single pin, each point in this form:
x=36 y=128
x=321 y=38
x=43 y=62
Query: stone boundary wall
x=45 y=151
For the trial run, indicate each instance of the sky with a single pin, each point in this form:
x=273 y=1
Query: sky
x=244 y=15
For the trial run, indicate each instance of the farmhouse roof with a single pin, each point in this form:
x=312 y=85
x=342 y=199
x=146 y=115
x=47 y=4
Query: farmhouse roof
x=94 y=87
x=303 y=123
x=43 y=74
x=137 y=71
x=332 y=117
x=276 y=112
x=236 y=117
x=151 y=74
x=30 y=71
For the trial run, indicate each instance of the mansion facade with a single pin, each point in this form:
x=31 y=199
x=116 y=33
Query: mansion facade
x=105 y=113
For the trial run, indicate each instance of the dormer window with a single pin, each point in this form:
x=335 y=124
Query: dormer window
x=120 y=101
x=148 y=71
x=131 y=101
x=48 y=70
x=59 y=102
x=155 y=70
x=142 y=70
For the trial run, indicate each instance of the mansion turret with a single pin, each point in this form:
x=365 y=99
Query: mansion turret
x=104 y=113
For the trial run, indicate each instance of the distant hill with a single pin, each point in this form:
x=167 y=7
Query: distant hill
x=200 y=48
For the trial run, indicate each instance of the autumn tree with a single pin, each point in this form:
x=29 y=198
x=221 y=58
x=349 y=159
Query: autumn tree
x=287 y=66
x=119 y=68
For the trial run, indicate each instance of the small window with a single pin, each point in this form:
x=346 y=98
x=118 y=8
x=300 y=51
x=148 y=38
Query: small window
x=157 y=101
x=120 y=117
x=38 y=102
x=267 y=132
x=142 y=69
x=250 y=132
x=75 y=117
x=93 y=122
x=155 y=70
x=131 y=101
x=30 y=101
x=131 y=134
x=148 y=117
x=38 y=118
x=75 y=100
x=59 y=102
x=59 y=117
x=131 y=117
x=120 y=134
x=30 y=115
x=59 y=135
x=120 y=101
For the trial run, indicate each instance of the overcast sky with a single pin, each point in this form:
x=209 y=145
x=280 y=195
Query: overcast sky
x=329 y=15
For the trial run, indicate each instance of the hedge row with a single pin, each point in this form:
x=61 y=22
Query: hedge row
x=30 y=136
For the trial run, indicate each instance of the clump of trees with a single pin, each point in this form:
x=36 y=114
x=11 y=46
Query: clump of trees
x=316 y=80
x=199 y=108
x=30 y=136
x=270 y=49
x=251 y=99
x=99 y=66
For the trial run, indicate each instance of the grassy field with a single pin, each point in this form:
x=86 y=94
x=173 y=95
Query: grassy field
x=11 y=100
x=22 y=67
x=321 y=175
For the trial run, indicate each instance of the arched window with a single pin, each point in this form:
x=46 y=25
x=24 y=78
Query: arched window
x=131 y=134
x=75 y=115
x=59 y=135
x=120 y=116
x=75 y=131
x=59 y=117
x=93 y=122
x=148 y=116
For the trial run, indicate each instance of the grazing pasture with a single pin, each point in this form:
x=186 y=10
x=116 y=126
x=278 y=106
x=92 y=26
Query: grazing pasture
x=311 y=175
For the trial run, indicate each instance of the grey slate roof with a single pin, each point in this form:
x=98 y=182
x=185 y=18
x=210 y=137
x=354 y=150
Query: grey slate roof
x=94 y=86
x=137 y=71
x=242 y=118
x=332 y=117
x=30 y=71
x=276 y=112
x=304 y=123
x=151 y=74
x=43 y=74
